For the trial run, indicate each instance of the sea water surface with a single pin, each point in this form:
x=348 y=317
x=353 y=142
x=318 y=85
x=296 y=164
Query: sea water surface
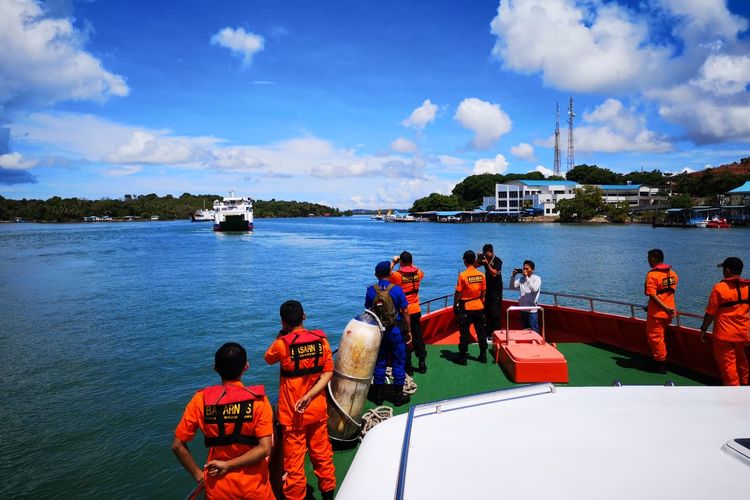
x=107 y=329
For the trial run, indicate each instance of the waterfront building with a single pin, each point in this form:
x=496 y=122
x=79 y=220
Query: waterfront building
x=738 y=209
x=541 y=196
x=637 y=196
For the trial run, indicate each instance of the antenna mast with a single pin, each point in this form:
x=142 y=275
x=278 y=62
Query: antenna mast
x=557 y=140
x=571 y=149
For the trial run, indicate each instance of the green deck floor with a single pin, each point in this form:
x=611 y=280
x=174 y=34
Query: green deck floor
x=588 y=365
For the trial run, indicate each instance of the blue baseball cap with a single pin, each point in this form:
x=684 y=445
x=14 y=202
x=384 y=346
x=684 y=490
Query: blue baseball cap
x=383 y=268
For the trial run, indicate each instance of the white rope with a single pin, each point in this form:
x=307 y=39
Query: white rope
x=410 y=387
x=373 y=417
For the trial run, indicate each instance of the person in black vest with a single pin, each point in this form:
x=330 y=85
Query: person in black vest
x=493 y=298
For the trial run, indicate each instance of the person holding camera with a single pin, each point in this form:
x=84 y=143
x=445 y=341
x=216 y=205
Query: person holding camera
x=468 y=307
x=408 y=277
x=529 y=284
x=493 y=267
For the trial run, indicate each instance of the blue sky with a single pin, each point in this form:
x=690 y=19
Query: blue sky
x=359 y=104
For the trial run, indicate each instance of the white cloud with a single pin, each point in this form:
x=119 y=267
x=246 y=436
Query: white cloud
x=724 y=75
x=236 y=158
x=613 y=128
x=402 y=145
x=523 y=151
x=43 y=61
x=240 y=42
x=145 y=147
x=16 y=161
x=581 y=46
x=123 y=171
x=545 y=171
x=452 y=161
x=697 y=73
x=497 y=165
x=421 y=116
x=488 y=121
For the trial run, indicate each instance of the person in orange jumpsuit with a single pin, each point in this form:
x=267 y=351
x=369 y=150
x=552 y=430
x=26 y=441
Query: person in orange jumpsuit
x=237 y=422
x=729 y=306
x=409 y=277
x=306 y=367
x=468 y=306
x=660 y=287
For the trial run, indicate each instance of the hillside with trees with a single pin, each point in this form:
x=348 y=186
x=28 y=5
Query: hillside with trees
x=57 y=209
x=688 y=189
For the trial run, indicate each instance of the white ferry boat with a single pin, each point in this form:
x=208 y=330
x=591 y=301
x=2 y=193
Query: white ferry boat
x=202 y=216
x=233 y=213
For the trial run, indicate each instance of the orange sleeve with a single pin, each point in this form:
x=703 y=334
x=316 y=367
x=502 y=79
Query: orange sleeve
x=327 y=357
x=273 y=354
x=421 y=275
x=652 y=284
x=460 y=284
x=395 y=278
x=264 y=423
x=714 y=301
x=191 y=418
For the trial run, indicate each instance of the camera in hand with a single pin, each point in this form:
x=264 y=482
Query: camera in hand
x=481 y=257
x=518 y=270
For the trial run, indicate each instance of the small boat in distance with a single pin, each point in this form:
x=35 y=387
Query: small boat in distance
x=718 y=223
x=233 y=213
x=202 y=215
x=377 y=216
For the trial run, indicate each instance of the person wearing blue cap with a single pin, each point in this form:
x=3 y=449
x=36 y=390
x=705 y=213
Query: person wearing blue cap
x=389 y=303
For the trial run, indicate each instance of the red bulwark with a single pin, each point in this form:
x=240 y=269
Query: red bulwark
x=528 y=358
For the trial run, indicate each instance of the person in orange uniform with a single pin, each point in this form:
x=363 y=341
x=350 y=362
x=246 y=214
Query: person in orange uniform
x=468 y=306
x=409 y=277
x=729 y=306
x=660 y=287
x=306 y=368
x=237 y=422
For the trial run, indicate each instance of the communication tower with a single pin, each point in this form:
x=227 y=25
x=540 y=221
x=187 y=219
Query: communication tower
x=571 y=149
x=557 y=139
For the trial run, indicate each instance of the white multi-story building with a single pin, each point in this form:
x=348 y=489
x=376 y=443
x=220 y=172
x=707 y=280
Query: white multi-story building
x=637 y=196
x=542 y=195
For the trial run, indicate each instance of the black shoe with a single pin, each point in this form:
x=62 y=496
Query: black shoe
x=327 y=495
x=482 y=357
x=376 y=394
x=422 y=366
x=660 y=367
x=400 y=399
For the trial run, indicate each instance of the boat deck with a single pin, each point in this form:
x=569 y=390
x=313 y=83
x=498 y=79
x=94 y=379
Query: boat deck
x=588 y=365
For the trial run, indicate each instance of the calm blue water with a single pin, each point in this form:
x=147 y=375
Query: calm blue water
x=106 y=330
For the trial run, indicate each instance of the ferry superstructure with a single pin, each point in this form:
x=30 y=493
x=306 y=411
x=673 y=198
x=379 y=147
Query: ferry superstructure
x=233 y=213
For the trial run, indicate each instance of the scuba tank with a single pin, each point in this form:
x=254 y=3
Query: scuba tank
x=352 y=375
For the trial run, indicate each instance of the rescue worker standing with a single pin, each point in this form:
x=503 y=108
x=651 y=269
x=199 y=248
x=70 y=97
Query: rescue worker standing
x=237 y=422
x=660 y=287
x=409 y=277
x=493 y=301
x=306 y=368
x=393 y=344
x=729 y=306
x=468 y=307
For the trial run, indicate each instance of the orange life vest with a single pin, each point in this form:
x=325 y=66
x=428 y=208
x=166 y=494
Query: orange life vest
x=305 y=353
x=740 y=285
x=230 y=404
x=667 y=283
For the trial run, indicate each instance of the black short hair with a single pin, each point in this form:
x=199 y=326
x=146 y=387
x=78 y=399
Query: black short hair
x=488 y=248
x=734 y=264
x=291 y=313
x=230 y=360
x=470 y=256
x=529 y=263
x=656 y=254
x=405 y=258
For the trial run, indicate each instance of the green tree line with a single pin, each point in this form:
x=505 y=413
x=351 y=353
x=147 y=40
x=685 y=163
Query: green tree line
x=57 y=209
x=468 y=193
